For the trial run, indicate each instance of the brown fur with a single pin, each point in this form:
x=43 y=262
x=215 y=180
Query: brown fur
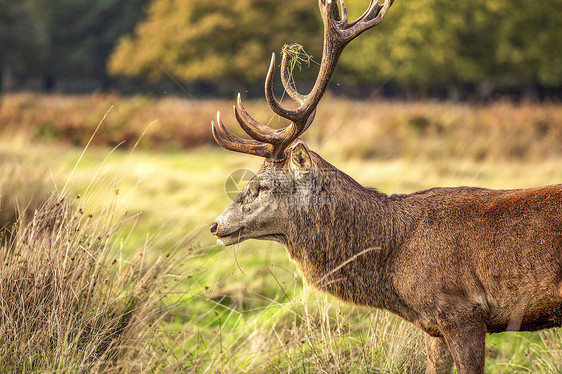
x=456 y=262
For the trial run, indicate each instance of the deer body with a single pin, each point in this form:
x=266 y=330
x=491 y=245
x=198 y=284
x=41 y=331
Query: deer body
x=441 y=252
x=456 y=262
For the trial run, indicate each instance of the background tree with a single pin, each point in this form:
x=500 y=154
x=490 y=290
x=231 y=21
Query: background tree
x=64 y=40
x=528 y=44
x=426 y=46
x=14 y=38
x=445 y=44
x=215 y=40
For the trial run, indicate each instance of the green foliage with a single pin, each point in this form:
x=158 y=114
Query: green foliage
x=528 y=43
x=430 y=43
x=213 y=40
x=62 y=39
x=14 y=37
x=424 y=44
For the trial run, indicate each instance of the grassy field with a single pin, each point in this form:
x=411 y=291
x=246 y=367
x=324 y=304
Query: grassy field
x=389 y=130
x=236 y=309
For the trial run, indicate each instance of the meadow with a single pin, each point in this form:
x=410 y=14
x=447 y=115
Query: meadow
x=111 y=267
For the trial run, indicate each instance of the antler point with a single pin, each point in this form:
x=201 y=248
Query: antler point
x=269 y=143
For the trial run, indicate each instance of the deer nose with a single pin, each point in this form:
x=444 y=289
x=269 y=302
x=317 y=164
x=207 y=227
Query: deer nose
x=214 y=228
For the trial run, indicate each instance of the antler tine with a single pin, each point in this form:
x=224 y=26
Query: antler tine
x=373 y=4
x=309 y=121
x=232 y=142
x=280 y=139
x=337 y=34
x=294 y=115
x=286 y=79
x=255 y=127
x=286 y=136
x=343 y=17
x=372 y=17
x=381 y=13
x=250 y=129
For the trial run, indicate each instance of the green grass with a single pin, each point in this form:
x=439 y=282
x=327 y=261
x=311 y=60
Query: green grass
x=246 y=308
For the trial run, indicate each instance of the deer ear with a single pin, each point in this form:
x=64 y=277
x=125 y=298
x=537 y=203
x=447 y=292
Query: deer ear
x=301 y=163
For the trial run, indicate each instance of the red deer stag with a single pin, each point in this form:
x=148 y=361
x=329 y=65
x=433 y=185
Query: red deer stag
x=456 y=262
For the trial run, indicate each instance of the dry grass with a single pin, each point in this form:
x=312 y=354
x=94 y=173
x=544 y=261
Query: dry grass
x=389 y=130
x=330 y=338
x=24 y=183
x=173 y=123
x=312 y=333
x=70 y=303
x=437 y=131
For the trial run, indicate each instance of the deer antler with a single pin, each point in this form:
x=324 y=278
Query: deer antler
x=270 y=143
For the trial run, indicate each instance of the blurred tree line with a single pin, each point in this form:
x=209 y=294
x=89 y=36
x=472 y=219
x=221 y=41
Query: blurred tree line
x=426 y=47
x=62 y=44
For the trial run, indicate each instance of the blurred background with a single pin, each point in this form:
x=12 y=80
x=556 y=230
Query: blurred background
x=106 y=105
x=427 y=48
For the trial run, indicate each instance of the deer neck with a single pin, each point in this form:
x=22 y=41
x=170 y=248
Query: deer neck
x=345 y=245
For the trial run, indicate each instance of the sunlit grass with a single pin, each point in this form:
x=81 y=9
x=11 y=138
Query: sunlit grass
x=72 y=301
x=245 y=308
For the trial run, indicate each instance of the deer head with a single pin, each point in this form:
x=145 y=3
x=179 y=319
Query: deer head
x=288 y=175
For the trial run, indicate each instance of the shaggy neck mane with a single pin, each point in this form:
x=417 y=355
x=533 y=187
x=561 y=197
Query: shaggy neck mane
x=343 y=236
